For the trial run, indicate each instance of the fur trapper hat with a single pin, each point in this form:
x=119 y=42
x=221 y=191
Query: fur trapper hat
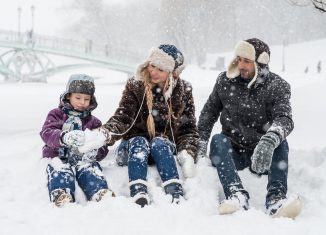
x=253 y=49
x=168 y=58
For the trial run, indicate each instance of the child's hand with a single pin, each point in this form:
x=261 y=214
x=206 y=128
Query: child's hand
x=74 y=138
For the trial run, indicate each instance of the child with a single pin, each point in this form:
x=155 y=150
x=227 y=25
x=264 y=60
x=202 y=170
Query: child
x=62 y=133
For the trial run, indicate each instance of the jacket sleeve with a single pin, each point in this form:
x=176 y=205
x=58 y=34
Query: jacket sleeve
x=210 y=112
x=125 y=114
x=52 y=129
x=187 y=135
x=103 y=151
x=281 y=111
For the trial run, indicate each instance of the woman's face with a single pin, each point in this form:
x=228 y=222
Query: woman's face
x=157 y=75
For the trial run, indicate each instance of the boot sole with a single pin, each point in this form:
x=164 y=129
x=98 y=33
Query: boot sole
x=225 y=209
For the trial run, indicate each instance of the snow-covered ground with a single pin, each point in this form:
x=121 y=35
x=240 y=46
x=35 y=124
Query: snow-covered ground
x=25 y=208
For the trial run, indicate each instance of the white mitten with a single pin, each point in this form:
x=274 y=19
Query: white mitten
x=94 y=139
x=187 y=164
x=74 y=138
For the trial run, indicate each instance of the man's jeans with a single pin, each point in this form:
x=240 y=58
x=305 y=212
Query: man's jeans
x=228 y=162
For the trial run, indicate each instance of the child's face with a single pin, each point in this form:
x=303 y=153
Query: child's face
x=79 y=101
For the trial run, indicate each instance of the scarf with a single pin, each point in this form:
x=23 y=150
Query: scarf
x=71 y=154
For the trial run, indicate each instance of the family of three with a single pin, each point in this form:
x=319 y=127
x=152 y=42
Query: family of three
x=156 y=125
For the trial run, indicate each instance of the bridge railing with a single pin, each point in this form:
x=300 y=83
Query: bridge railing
x=77 y=46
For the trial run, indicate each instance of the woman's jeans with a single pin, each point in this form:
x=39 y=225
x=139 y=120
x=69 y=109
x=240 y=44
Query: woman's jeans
x=137 y=152
x=228 y=161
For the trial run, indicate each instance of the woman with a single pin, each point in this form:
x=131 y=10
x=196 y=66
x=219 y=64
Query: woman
x=156 y=120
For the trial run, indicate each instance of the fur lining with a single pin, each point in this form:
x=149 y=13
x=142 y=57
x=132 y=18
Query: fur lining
x=139 y=181
x=232 y=70
x=171 y=86
x=178 y=70
x=158 y=58
x=263 y=58
x=170 y=182
x=253 y=80
x=246 y=50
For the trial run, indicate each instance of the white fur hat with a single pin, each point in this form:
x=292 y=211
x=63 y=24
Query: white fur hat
x=168 y=58
x=252 y=49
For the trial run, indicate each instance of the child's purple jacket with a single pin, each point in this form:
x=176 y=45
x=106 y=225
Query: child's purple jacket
x=52 y=129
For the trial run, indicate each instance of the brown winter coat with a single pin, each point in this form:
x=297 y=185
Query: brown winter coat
x=185 y=133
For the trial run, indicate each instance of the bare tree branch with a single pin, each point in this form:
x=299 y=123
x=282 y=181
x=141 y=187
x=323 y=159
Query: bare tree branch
x=318 y=4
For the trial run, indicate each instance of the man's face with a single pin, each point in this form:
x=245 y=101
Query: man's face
x=246 y=67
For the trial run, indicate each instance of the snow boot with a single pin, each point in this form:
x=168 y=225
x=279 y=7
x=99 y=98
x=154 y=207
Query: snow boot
x=237 y=201
x=174 y=188
x=281 y=206
x=138 y=192
x=98 y=196
x=60 y=197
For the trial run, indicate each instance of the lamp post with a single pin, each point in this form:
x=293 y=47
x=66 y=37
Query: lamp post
x=32 y=11
x=19 y=10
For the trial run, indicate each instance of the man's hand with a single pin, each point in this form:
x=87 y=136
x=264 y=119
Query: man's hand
x=261 y=159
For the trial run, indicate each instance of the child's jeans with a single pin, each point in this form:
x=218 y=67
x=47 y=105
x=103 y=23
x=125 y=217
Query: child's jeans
x=89 y=177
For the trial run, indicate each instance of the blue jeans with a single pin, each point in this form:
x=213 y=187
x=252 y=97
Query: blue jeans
x=89 y=177
x=138 y=151
x=228 y=161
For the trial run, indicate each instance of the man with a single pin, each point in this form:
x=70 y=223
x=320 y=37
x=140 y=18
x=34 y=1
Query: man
x=255 y=113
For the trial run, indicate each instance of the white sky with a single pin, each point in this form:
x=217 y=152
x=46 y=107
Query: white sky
x=49 y=15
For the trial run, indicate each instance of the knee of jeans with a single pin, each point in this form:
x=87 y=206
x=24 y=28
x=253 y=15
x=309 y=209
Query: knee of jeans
x=121 y=155
x=283 y=147
x=139 y=141
x=219 y=139
x=138 y=149
x=219 y=144
x=158 y=143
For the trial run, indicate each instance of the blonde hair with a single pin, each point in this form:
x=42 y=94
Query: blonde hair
x=149 y=100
